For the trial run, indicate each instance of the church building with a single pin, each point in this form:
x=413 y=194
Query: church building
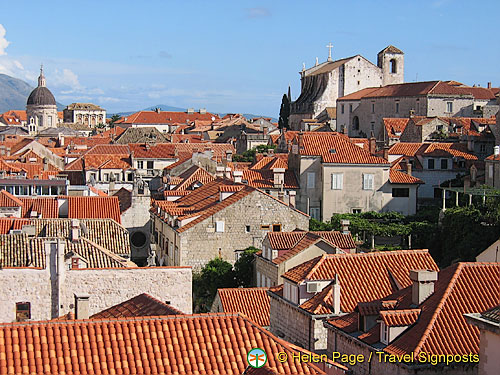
x=41 y=108
x=324 y=83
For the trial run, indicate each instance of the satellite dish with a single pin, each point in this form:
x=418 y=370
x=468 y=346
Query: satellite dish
x=213 y=118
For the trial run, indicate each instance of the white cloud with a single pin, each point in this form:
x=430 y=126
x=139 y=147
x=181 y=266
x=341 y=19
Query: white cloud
x=3 y=42
x=65 y=78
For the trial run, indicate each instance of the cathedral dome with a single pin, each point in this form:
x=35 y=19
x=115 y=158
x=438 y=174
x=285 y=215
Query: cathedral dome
x=41 y=96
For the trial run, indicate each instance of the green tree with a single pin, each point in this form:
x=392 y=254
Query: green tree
x=284 y=113
x=244 y=267
x=114 y=119
x=216 y=274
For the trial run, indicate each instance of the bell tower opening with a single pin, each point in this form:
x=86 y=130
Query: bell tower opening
x=394 y=66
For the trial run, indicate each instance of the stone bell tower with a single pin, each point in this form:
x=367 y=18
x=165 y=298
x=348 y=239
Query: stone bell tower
x=392 y=62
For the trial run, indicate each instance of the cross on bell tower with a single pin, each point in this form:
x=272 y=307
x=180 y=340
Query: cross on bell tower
x=329 y=46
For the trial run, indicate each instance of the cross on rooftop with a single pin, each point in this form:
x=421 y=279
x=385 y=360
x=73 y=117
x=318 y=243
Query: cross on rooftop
x=329 y=46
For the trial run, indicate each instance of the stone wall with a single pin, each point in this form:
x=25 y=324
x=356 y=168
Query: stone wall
x=106 y=287
x=137 y=219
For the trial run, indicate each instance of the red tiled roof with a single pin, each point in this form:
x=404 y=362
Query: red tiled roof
x=358 y=94
x=336 y=148
x=253 y=302
x=164 y=117
x=365 y=276
x=399 y=318
x=455 y=149
x=141 y=305
x=264 y=178
x=94 y=208
x=44 y=206
x=493 y=157
x=395 y=126
x=192 y=175
x=270 y=162
x=398 y=177
x=441 y=327
x=176 y=344
x=9 y=200
x=406 y=148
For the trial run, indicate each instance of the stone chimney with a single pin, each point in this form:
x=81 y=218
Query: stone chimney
x=408 y=168
x=75 y=230
x=300 y=141
x=281 y=195
x=423 y=285
x=238 y=176
x=496 y=150
x=229 y=155
x=345 y=226
x=82 y=306
x=203 y=111
x=291 y=197
x=45 y=164
x=279 y=177
x=228 y=173
x=372 y=145
x=386 y=153
x=61 y=140
x=336 y=295
x=157 y=110
x=489 y=85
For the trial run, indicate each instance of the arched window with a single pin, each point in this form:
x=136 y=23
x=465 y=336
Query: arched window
x=355 y=123
x=394 y=66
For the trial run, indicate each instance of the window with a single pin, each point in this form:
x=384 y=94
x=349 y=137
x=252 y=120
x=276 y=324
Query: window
x=219 y=226
x=264 y=227
x=50 y=121
x=449 y=107
x=150 y=164
x=355 y=123
x=117 y=176
x=337 y=181
x=490 y=171
x=350 y=108
x=23 y=311
x=130 y=177
x=400 y=192
x=356 y=210
x=430 y=164
x=368 y=181
x=106 y=177
x=311 y=180
x=418 y=107
x=75 y=263
x=397 y=107
x=247 y=228
x=444 y=163
x=140 y=164
x=258 y=279
x=482 y=148
x=276 y=227
x=384 y=333
x=373 y=107
x=314 y=212
x=394 y=66
x=342 y=109
x=372 y=126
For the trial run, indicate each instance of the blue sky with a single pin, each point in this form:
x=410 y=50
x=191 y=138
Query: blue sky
x=234 y=56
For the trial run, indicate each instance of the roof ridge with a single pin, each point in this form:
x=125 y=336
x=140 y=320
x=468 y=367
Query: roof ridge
x=439 y=307
x=316 y=266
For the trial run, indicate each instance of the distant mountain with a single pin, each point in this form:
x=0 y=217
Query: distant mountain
x=169 y=108
x=14 y=93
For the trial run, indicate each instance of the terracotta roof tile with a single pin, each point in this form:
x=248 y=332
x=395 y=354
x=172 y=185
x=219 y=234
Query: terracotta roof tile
x=141 y=305
x=270 y=162
x=398 y=318
x=395 y=126
x=398 y=177
x=176 y=344
x=9 y=200
x=365 y=276
x=192 y=175
x=94 y=207
x=164 y=117
x=441 y=327
x=264 y=178
x=253 y=302
x=336 y=148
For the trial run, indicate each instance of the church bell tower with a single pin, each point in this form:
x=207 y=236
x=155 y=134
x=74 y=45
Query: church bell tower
x=392 y=62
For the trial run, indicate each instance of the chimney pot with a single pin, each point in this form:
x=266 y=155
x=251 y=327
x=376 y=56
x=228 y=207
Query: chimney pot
x=279 y=177
x=408 y=168
x=423 y=285
x=75 y=230
x=291 y=196
x=496 y=150
x=238 y=176
x=336 y=295
x=345 y=226
x=489 y=85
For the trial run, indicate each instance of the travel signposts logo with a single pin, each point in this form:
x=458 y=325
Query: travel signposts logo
x=256 y=358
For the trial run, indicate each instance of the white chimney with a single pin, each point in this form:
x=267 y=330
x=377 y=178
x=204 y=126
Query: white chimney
x=345 y=226
x=336 y=295
x=219 y=171
x=229 y=155
x=291 y=195
x=423 y=285
x=279 y=177
x=82 y=306
x=238 y=176
x=75 y=230
x=496 y=150
x=228 y=172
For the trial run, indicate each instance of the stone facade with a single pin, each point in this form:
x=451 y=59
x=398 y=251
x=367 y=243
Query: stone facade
x=324 y=83
x=50 y=291
x=244 y=226
x=297 y=326
x=84 y=113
